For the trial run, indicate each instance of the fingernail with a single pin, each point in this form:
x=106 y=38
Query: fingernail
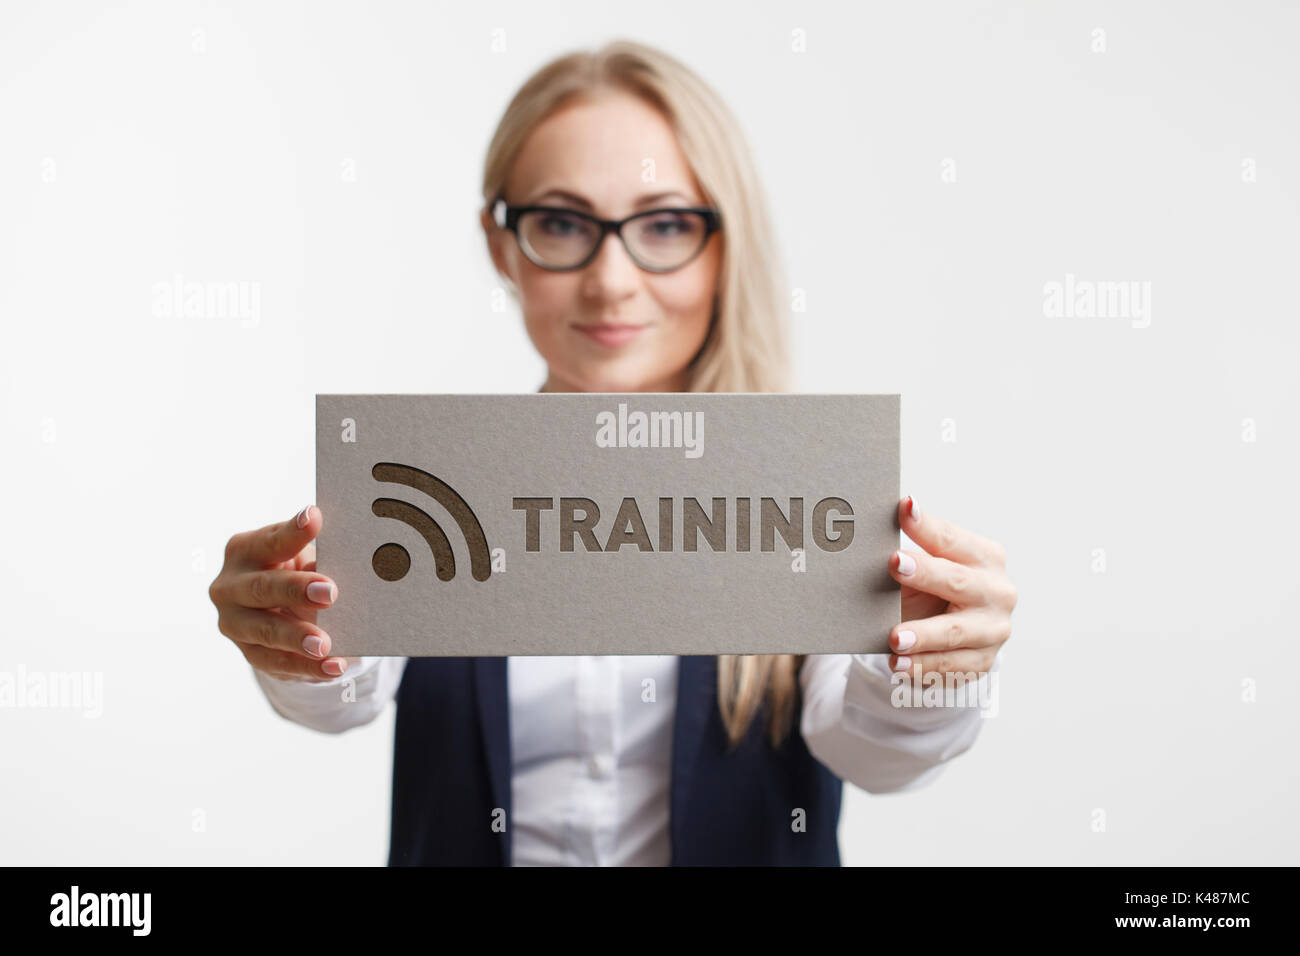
x=303 y=517
x=333 y=667
x=314 y=645
x=906 y=565
x=912 y=509
x=906 y=639
x=322 y=592
x=902 y=664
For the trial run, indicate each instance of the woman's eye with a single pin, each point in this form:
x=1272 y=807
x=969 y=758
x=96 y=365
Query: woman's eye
x=670 y=227
x=665 y=227
x=559 y=225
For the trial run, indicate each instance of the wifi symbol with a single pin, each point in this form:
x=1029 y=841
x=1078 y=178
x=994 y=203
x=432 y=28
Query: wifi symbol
x=392 y=561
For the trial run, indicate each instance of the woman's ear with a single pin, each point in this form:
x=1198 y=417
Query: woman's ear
x=497 y=238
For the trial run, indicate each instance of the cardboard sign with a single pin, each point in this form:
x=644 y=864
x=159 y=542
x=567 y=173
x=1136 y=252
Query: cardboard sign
x=592 y=523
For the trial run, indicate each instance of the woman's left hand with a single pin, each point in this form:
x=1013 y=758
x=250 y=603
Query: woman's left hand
x=957 y=598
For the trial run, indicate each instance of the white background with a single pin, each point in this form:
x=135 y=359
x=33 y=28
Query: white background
x=330 y=153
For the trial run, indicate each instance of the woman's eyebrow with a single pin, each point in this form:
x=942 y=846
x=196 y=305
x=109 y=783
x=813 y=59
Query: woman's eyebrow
x=657 y=197
x=559 y=194
x=583 y=203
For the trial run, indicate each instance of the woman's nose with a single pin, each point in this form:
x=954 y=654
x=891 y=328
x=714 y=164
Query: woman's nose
x=612 y=273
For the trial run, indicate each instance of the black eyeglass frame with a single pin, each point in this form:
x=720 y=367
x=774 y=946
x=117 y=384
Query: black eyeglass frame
x=507 y=217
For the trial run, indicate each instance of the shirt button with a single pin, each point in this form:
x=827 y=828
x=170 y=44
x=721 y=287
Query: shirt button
x=599 y=766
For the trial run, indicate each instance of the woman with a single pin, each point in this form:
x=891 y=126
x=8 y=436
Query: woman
x=731 y=760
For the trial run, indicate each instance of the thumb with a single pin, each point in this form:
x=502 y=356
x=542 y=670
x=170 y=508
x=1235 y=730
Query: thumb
x=284 y=540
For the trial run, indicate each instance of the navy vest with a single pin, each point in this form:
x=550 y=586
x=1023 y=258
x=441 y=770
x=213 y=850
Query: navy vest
x=451 y=773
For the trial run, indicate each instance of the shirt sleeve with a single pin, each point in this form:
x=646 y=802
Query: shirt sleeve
x=333 y=706
x=883 y=736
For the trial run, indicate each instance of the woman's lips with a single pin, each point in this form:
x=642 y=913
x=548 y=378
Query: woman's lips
x=611 y=336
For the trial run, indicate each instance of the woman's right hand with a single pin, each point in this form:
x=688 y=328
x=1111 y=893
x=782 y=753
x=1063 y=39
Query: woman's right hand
x=267 y=596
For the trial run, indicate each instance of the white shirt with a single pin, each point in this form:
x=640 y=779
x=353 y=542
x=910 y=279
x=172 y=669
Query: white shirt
x=591 y=757
x=590 y=779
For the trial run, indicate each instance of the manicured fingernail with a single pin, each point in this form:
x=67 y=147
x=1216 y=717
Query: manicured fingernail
x=333 y=667
x=906 y=639
x=303 y=517
x=314 y=645
x=906 y=565
x=322 y=592
x=913 y=511
x=903 y=663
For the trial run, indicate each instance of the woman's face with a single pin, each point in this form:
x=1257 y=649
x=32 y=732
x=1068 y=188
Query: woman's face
x=590 y=156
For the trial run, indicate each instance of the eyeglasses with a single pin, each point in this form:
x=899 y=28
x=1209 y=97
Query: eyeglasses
x=561 y=240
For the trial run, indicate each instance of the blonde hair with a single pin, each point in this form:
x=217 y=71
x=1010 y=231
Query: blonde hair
x=746 y=348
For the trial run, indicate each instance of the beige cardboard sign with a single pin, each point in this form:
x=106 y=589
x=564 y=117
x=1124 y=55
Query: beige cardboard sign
x=593 y=523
